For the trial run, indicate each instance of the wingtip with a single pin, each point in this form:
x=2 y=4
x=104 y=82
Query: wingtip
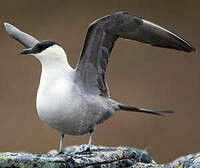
x=188 y=48
x=165 y=38
x=6 y=25
x=9 y=28
x=192 y=49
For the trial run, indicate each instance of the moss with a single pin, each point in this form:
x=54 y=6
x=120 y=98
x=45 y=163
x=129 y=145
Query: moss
x=101 y=157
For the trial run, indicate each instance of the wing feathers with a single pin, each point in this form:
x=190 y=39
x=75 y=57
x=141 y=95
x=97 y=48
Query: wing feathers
x=155 y=35
x=25 y=39
x=100 y=40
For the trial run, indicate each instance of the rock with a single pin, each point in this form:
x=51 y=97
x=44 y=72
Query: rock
x=189 y=161
x=101 y=157
x=107 y=156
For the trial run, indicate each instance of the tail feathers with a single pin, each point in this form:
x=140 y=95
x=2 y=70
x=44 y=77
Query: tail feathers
x=135 y=109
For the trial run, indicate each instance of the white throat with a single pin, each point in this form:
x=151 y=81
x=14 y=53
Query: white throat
x=55 y=68
x=53 y=57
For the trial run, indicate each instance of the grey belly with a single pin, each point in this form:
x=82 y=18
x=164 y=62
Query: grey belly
x=78 y=118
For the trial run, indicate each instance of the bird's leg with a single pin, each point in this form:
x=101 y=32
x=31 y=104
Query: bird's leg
x=61 y=144
x=88 y=149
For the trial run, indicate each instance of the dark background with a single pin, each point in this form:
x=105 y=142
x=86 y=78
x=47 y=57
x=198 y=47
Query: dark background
x=139 y=75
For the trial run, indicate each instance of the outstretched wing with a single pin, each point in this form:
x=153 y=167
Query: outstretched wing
x=101 y=37
x=27 y=40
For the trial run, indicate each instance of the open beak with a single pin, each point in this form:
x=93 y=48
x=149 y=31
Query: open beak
x=26 y=51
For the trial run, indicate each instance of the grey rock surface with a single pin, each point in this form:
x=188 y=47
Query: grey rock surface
x=101 y=157
x=189 y=161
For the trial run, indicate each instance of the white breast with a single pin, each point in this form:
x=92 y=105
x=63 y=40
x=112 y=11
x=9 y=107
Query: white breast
x=61 y=106
x=61 y=103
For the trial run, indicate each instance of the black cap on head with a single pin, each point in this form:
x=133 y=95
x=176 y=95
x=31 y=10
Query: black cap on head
x=39 y=47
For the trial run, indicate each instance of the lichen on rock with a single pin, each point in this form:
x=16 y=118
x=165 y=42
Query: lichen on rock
x=101 y=157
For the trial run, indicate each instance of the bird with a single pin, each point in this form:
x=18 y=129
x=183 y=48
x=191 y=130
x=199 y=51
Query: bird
x=75 y=101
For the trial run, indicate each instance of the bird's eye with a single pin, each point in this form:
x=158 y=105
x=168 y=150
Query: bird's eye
x=41 y=47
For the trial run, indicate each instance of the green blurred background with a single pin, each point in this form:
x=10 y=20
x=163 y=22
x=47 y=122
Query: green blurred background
x=137 y=74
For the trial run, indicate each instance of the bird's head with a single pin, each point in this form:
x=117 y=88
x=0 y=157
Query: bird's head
x=47 y=52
